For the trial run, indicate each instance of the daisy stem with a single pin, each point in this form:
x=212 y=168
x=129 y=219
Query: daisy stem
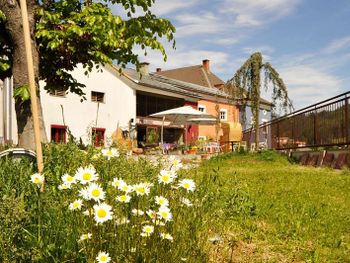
x=39 y=217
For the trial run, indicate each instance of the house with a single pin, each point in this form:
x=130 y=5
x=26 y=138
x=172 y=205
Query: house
x=113 y=100
x=225 y=109
x=155 y=93
x=230 y=111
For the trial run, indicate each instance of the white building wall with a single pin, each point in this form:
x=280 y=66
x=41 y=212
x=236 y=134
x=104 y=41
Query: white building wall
x=118 y=108
x=8 y=125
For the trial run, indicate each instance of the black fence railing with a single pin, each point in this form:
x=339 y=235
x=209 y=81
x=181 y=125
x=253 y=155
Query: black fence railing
x=323 y=124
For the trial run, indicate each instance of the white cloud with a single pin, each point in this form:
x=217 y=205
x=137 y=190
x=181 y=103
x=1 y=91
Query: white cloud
x=228 y=41
x=337 y=45
x=258 y=12
x=202 y=23
x=162 y=7
x=308 y=84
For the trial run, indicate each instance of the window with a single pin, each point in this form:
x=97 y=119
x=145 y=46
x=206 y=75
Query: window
x=58 y=133
x=202 y=108
x=97 y=96
x=223 y=114
x=98 y=136
x=265 y=129
x=59 y=92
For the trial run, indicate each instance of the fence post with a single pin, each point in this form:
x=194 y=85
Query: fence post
x=315 y=127
x=346 y=108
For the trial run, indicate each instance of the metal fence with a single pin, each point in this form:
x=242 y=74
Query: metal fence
x=323 y=124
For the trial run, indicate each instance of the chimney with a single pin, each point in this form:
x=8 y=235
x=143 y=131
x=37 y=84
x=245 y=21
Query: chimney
x=205 y=64
x=159 y=69
x=144 y=68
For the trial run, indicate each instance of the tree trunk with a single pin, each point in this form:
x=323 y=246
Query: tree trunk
x=25 y=126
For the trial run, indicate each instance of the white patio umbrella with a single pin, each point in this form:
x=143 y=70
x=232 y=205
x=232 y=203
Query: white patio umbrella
x=182 y=115
x=202 y=121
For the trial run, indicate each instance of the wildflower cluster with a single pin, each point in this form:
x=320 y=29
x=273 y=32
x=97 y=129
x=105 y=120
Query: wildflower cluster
x=144 y=206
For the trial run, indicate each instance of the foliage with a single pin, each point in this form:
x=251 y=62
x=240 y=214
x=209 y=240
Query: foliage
x=246 y=87
x=246 y=208
x=72 y=32
x=42 y=228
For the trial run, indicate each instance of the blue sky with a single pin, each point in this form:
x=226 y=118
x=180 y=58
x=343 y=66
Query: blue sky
x=307 y=41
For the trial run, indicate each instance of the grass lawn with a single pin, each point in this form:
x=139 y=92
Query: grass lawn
x=265 y=209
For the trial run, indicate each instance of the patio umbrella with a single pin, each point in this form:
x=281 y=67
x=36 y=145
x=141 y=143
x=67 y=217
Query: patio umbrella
x=202 y=121
x=181 y=115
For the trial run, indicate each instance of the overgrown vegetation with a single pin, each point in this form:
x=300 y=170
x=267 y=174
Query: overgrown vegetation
x=246 y=208
x=269 y=210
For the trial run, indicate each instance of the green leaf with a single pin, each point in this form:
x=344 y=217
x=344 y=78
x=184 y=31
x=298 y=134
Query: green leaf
x=22 y=93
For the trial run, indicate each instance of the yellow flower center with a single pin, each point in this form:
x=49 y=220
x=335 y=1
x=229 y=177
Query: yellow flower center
x=161 y=202
x=101 y=213
x=95 y=193
x=70 y=178
x=141 y=190
x=148 y=229
x=165 y=178
x=186 y=185
x=164 y=214
x=87 y=176
x=103 y=258
x=37 y=180
x=109 y=153
x=123 y=198
x=76 y=205
x=125 y=188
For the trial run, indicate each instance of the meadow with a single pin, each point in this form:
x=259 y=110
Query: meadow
x=239 y=208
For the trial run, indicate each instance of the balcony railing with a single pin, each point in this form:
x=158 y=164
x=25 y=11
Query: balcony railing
x=323 y=124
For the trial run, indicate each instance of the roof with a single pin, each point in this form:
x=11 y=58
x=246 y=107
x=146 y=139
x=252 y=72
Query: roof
x=198 y=75
x=154 y=81
x=193 y=74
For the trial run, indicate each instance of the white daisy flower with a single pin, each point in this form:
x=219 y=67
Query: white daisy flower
x=95 y=192
x=103 y=257
x=162 y=201
x=87 y=212
x=122 y=221
x=125 y=187
x=64 y=186
x=117 y=182
x=137 y=212
x=85 y=237
x=68 y=180
x=147 y=230
x=124 y=198
x=142 y=189
x=103 y=213
x=86 y=175
x=84 y=193
x=166 y=176
x=110 y=153
x=76 y=205
x=166 y=236
x=37 y=179
x=175 y=162
x=188 y=184
x=186 y=201
x=164 y=213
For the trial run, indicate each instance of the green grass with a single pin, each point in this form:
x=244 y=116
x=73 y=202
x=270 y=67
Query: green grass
x=247 y=208
x=268 y=209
